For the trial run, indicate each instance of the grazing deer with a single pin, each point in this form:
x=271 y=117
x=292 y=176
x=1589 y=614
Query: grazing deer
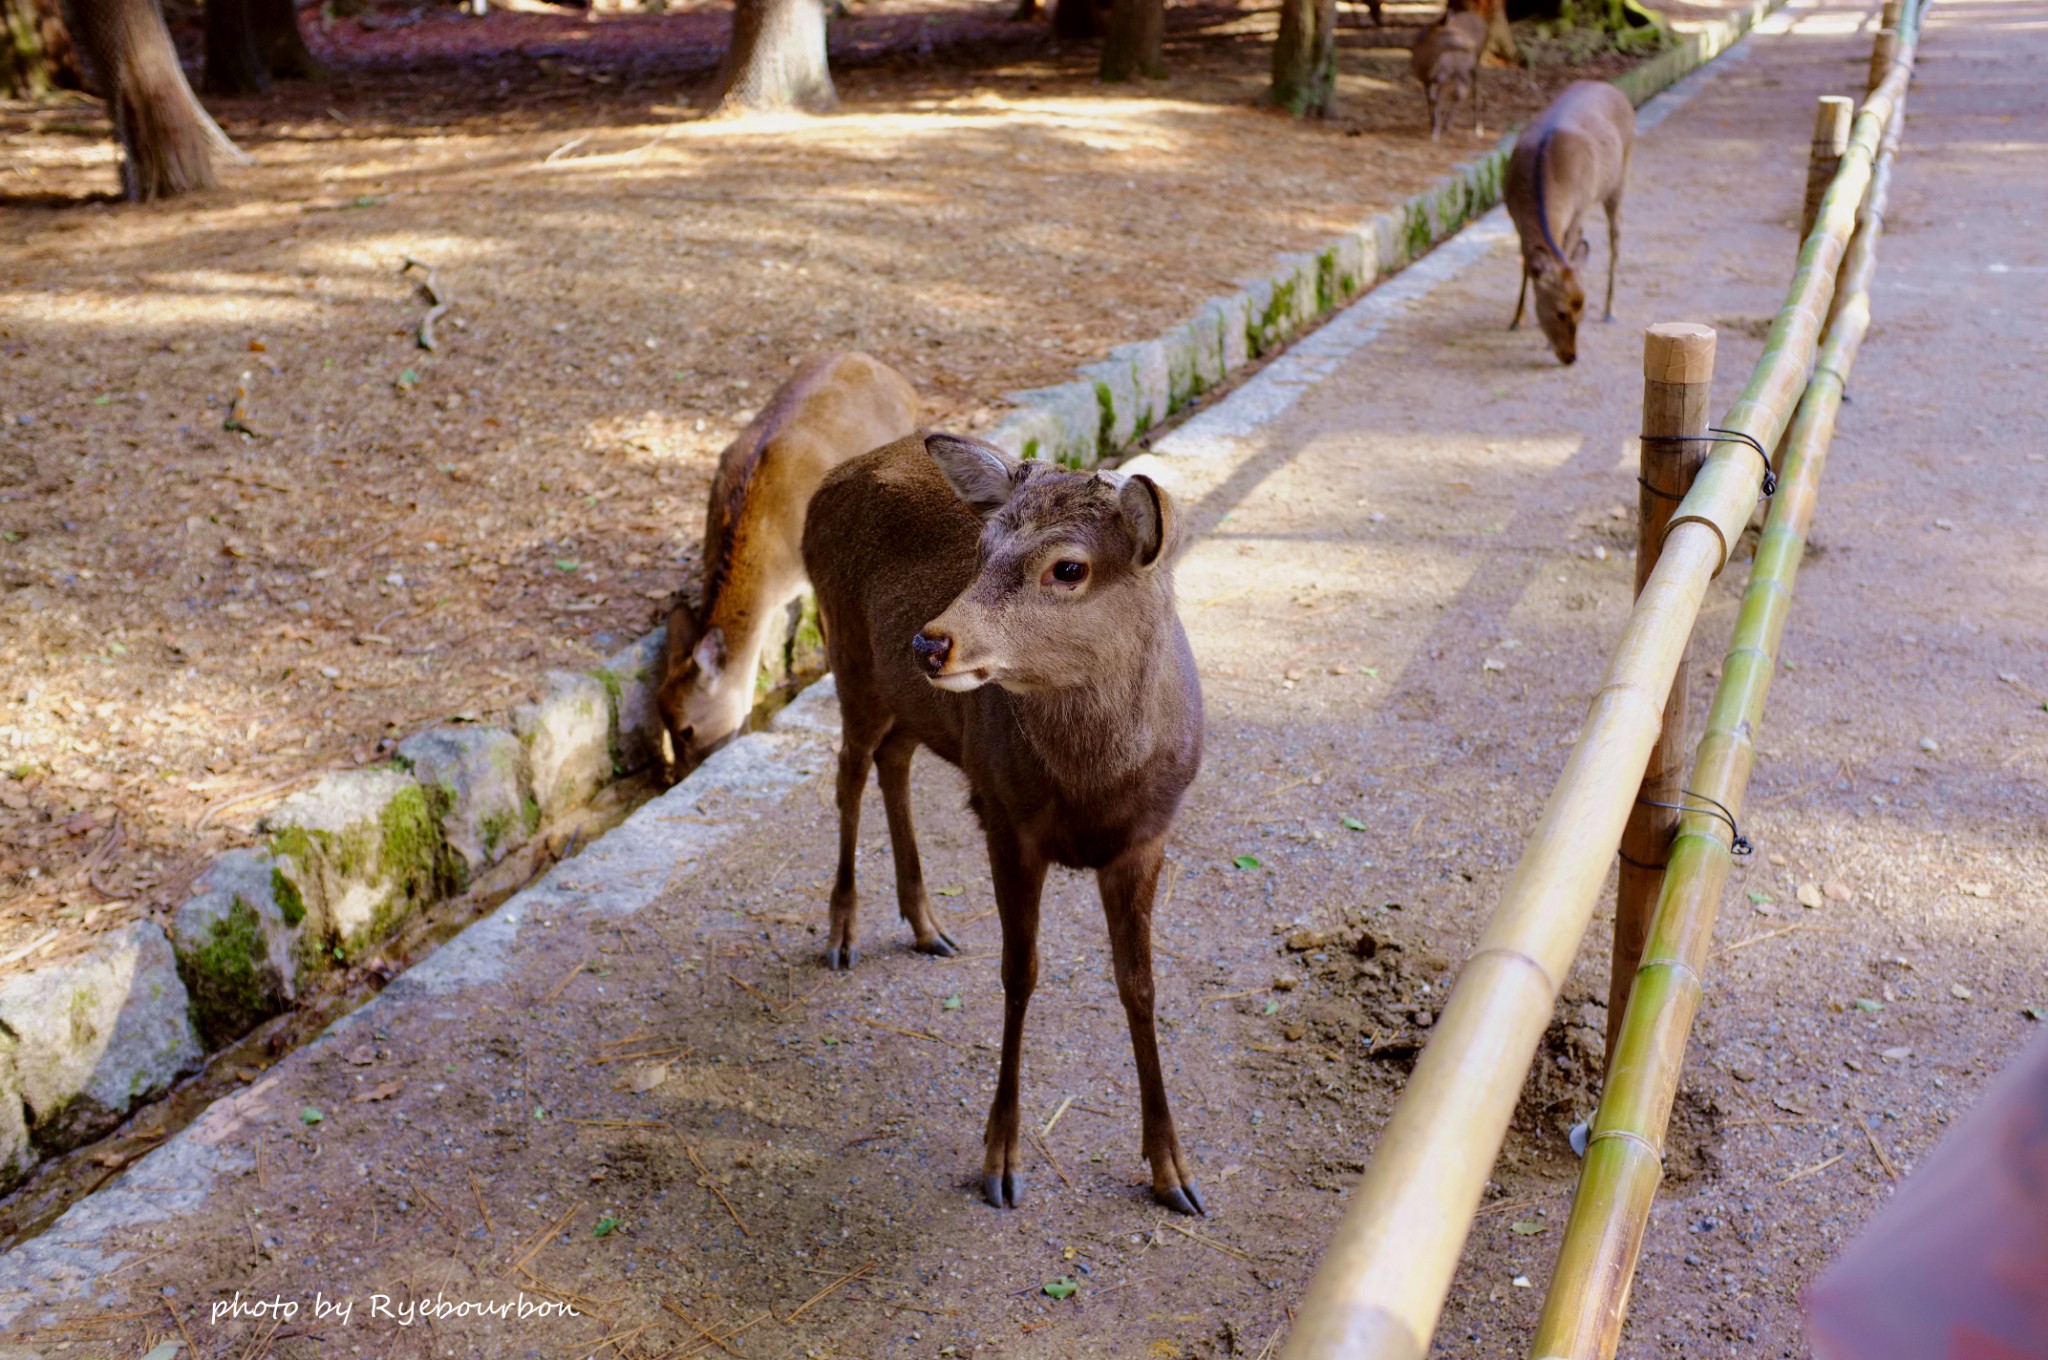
x=1446 y=61
x=1573 y=155
x=1019 y=620
x=835 y=407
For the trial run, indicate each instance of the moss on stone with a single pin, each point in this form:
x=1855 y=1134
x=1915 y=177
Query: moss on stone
x=530 y=813
x=1030 y=449
x=493 y=828
x=226 y=976
x=615 y=693
x=290 y=903
x=1416 y=233
x=1105 y=424
x=1326 y=279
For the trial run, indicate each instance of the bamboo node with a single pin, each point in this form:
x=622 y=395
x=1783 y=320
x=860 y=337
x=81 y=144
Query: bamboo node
x=1630 y=1136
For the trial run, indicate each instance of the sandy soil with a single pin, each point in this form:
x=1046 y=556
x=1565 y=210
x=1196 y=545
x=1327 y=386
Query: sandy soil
x=1400 y=603
x=195 y=619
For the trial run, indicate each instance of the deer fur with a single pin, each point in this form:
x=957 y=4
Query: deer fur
x=835 y=407
x=1573 y=155
x=942 y=567
x=1446 y=61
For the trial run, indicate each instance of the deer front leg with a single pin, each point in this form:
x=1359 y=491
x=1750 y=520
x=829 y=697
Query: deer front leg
x=855 y=755
x=1019 y=879
x=1127 y=884
x=892 y=768
x=1521 y=296
x=1613 y=250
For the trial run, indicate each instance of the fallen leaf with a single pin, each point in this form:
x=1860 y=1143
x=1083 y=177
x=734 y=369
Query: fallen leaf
x=1835 y=890
x=1247 y=862
x=606 y=1226
x=381 y=1091
x=1864 y=1003
x=310 y=1116
x=1062 y=1288
x=1760 y=898
x=1975 y=889
x=1960 y=992
x=1526 y=1227
x=2035 y=1013
x=1896 y=1054
x=952 y=1003
x=1272 y=1007
x=1520 y=1282
x=1789 y=1107
x=647 y=1077
x=953 y=891
x=1809 y=895
x=1352 y=824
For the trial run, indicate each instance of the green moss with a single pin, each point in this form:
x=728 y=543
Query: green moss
x=1326 y=279
x=290 y=904
x=1417 y=235
x=617 y=692
x=494 y=826
x=530 y=813
x=412 y=851
x=1105 y=423
x=1030 y=449
x=229 y=978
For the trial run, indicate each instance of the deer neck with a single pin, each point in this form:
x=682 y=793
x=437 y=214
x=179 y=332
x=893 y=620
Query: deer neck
x=1100 y=735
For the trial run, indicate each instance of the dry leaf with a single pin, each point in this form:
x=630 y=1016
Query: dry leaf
x=381 y=1091
x=645 y=1079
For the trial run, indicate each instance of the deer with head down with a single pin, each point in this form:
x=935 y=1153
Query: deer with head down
x=1573 y=155
x=835 y=407
x=1446 y=60
x=1019 y=620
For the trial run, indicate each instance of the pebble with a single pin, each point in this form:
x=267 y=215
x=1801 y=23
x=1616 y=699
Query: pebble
x=1809 y=895
x=1835 y=890
x=1930 y=745
x=1286 y=982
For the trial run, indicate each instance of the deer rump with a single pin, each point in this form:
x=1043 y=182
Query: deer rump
x=1079 y=727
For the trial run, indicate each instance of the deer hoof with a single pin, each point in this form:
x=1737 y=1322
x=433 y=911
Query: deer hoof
x=1003 y=1191
x=941 y=946
x=840 y=958
x=1182 y=1198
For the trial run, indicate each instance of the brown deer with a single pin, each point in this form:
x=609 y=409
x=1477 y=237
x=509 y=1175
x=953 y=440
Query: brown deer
x=1573 y=155
x=835 y=407
x=1019 y=620
x=1446 y=61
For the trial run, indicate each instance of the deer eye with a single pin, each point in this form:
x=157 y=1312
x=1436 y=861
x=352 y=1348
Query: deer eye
x=1067 y=572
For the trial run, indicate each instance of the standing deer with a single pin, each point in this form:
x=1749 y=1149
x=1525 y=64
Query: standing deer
x=1019 y=620
x=1573 y=155
x=1446 y=61
x=835 y=407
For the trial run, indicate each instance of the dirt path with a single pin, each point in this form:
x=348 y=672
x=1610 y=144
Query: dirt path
x=1410 y=572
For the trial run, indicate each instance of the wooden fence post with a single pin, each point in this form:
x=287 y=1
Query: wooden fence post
x=1891 y=13
x=1882 y=54
x=1678 y=371
x=1830 y=143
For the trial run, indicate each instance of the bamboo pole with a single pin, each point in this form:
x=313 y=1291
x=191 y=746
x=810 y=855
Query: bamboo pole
x=1678 y=373
x=1882 y=53
x=1381 y=1285
x=1892 y=14
x=1830 y=140
x=1588 y=1296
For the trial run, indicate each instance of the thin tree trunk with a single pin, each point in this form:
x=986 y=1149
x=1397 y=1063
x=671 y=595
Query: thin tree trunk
x=1133 y=45
x=776 y=59
x=1305 y=58
x=278 y=39
x=167 y=141
x=233 y=65
x=1079 y=20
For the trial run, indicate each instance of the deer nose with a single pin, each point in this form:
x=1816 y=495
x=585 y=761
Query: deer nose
x=932 y=650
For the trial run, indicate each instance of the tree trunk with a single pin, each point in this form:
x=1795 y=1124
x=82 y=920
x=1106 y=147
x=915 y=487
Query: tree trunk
x=1079 y=20
x=1305 y=58
x=35 y=51
x=776 y=59
x=167 y=140
x=275 y=24
x=1500 y=39
x=233 y=65
x=1132 y=46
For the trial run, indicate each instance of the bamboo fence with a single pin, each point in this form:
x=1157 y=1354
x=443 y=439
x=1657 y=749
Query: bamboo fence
x=1382 y=1282
x=1588 y=1295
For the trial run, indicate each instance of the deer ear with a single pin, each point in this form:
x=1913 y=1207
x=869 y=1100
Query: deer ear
x=980 y=474
x=710 y=654
x=1153 y=521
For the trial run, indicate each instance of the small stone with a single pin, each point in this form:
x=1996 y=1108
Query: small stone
x=1974 y=889
x=1835 y=890
x=1301 y=941
x=1295 y=1030
x=1493 y=663
x=1930 y=745
x=1777 y=860
x=1960 y=992
x=1809 y=895
x=1285 y=982
x=1421 y=1017
x=1896 y=1054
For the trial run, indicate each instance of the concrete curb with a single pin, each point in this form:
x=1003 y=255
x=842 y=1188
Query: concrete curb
x=350 y=861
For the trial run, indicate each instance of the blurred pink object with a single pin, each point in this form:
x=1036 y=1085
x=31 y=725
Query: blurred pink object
x=1956 y=1266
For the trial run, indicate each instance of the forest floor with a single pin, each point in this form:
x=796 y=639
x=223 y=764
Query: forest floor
x=196 y=619
x=1402 y=587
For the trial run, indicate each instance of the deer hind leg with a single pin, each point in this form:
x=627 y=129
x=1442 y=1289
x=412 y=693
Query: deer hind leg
x=1613 y=249
x=1127 y=884
x=892 y=769
x=1019 y=882
x=1521 y=296
x=856 y=754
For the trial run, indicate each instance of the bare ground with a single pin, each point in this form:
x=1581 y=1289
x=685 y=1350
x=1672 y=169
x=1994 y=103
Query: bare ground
x=195 y=619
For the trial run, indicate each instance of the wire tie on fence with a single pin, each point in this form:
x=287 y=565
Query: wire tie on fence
x=1623 y=856
x=1644 y=483
x=1738 y=844
x=1716 y=435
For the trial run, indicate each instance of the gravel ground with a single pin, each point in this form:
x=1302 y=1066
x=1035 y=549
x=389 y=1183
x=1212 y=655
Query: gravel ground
x=1404 y=589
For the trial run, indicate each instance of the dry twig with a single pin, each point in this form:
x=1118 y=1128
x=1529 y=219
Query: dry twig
x=441 y=301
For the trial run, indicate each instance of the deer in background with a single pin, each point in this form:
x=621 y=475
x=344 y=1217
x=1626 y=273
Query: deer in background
x=1446 y=61
x=1019 y=620
x=834 y=407
x=1573 y=155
